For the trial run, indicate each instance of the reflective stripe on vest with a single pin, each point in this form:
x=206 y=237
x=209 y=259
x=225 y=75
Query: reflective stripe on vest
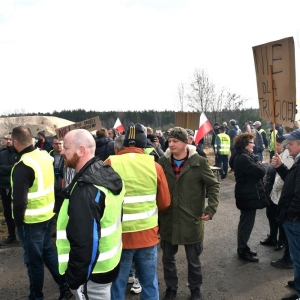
x=110 y=245
x=41 y=194
x=225 y=144
x=139 y=174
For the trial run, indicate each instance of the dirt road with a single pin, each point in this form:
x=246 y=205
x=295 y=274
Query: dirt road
x=225 y=277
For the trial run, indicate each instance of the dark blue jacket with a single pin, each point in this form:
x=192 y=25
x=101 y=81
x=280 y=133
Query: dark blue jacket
x=8 y=158
x=104 y=147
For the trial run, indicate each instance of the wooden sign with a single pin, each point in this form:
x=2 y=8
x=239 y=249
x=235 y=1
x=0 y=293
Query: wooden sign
x=188 y=120
x=89 y=124
x=276 y=81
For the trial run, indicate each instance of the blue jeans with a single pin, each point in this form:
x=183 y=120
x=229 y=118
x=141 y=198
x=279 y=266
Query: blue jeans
x=145 y=260
x=38 y=250
x=292 y=231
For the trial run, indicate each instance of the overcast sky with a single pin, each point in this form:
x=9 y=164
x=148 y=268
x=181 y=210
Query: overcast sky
x=132 y=55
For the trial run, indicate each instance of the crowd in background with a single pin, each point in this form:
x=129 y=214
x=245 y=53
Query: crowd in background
x=176 y=171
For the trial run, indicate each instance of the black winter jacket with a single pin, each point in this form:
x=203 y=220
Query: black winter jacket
x=269 y=180
x=249 y=193
x=289 y=202
x=8 y=158
x=84 y=212
x=104 y=147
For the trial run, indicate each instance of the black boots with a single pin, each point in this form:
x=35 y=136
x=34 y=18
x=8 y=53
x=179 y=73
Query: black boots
x=247 y=255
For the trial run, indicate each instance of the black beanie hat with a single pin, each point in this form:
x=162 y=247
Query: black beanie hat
x=135 y=136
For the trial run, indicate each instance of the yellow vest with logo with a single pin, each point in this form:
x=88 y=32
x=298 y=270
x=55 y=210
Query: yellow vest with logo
x=110 y=245
x=41 y=195
x=139 y=174
x=225 y=144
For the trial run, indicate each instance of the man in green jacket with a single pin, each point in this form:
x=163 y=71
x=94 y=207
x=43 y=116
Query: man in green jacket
x=190 y=179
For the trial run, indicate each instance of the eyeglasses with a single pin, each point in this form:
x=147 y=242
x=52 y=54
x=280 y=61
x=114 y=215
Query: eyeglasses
x=250 y=142
x=57 y=144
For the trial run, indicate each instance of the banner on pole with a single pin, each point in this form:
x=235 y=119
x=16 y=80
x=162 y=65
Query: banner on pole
x=91 y=124
x=188 y=120
x=281 y=56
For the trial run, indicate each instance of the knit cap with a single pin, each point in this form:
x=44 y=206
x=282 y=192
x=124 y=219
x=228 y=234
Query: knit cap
x=178 y=133
x=135 y=136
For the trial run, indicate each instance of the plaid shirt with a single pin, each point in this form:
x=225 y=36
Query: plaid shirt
x=177 y=169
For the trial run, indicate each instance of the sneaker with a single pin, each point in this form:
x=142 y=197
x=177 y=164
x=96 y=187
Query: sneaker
x=268 y=241
x=279 y=246
x=65 y=295
x=195 y=294
x=136 y=287
x=170 y=294
x=130 y=279
x=281 y=263
x=8 y=240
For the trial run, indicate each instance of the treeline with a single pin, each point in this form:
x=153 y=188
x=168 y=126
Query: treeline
x=155 y=119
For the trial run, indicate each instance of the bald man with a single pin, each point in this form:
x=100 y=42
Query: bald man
x=89 y=223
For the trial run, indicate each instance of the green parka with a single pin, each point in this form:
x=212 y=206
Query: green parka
x=181 y=222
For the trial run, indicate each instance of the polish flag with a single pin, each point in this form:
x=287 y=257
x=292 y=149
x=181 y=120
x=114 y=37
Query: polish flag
x=118 y=125
x=204 y=128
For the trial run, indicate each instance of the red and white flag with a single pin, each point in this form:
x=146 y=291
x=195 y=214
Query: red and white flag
x=204 y=128
x=118 y=125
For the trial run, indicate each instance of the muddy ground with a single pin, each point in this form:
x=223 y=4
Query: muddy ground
x=225 y=277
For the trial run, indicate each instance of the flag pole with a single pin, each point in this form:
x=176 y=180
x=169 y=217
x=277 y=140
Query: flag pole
x=273 y=106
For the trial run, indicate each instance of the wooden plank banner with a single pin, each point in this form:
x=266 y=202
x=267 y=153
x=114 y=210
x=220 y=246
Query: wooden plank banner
x=89 y=124
x=188 y=120
x=276 y=81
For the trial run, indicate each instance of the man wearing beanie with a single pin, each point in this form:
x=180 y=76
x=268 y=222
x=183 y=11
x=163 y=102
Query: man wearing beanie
x=146 y=194
x=42 y=143
x=190 y=179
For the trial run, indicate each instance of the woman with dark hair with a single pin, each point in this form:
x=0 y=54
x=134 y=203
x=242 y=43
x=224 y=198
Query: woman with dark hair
x=249 y=193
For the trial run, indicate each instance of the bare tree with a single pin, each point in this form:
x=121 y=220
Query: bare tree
x=202 y=92
x=181 y=96
x=218 y=105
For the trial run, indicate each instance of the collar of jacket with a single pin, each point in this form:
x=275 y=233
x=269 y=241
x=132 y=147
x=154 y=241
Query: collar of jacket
x=191 y=148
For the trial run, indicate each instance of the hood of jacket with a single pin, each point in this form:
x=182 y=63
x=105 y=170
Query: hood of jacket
x=191 y=149
x=103 y=140
x=96 y=172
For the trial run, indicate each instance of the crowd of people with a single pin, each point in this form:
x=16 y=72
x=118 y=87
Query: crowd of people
x=114 y=197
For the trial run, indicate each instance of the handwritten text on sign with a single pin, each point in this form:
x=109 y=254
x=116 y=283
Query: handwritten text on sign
x=89 y=124
x=281 y=56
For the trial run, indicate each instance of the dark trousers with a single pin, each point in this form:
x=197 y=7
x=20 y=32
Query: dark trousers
x=222 y=162
x=271 y=212
x=6 y=201
x=192 y=252
x=245 y=227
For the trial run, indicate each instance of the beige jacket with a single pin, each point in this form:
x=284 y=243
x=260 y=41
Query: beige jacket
x=278 y=183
